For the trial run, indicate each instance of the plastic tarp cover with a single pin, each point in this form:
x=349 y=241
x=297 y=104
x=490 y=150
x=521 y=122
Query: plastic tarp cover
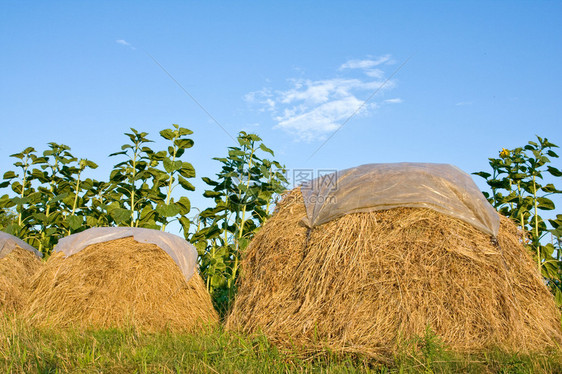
x=9 y=242
x=183 y=253
x=441 y=187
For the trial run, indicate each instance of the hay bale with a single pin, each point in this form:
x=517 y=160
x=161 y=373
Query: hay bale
x=18 y=263
x=119 y=283
x=365 y=282
x=16 y=272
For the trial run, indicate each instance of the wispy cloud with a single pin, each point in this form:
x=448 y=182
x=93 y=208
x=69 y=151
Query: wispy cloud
x=125 y=43
x=396 y=100
x=366 y=63
x=463 y=103
x=310 y=109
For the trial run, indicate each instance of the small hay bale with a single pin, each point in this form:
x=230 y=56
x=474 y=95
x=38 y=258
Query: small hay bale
x=119 y=283
x=16 y=271
x=367 y=282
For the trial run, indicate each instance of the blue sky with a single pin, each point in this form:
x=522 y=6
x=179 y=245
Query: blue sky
x=469 y=78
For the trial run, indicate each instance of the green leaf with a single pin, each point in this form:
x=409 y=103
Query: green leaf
x=243 y=242
x=208 y=232
x=217 y=280
x=10 y=175
x=40 y=160
x=74 y=222
x=254 y=137
x=147 y=213
x=209 y=181
x=218 y=262
x=187 y=170
x=41 y=217
x=550 y=188
x=58 y=198
x=201 y=246
x=236 y=152
x=551 y=153
x=167 y=134
x=185 y=223
x=91 y=164
x=557 y=232
x=183 y=143
x=184 y=204
x=209 y=193
x=483 y=174
x=548 y=250
x=554 y=171
x=545 y=204
x=120 y=215
x=179 y=152
x=503 y=183
x=185 y=184
x=118 y=153
x=212 y=212
x=168 y=210
x=184 y=131
x=171 y=166
x=265 y=149
x=91 y=221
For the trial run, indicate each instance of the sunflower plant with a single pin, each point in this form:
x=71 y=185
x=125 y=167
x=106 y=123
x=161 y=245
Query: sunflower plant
x=522 y=184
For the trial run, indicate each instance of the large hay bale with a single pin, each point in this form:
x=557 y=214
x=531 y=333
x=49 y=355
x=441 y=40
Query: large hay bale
x=119 y=283
x=366 y=282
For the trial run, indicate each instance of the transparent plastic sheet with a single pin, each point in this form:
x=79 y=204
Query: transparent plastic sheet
x=9 y=242
x=183 y=253
x=441 y=187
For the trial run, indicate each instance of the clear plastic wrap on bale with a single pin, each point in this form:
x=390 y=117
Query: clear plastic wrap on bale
x=366 y=188
x=121 y=276
x=18 y=263
x=183 y=253
x=366 y=279
x=9 y=242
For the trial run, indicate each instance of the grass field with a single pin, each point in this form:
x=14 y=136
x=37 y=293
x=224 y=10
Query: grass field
x=24 y=349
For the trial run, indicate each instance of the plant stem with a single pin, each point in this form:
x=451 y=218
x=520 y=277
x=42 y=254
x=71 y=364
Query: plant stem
x=133 y=185
x=22 y=195
x=75 y=198
x=54 y=170
x=250 y=164
x=169 y=193
x=535 y=206
x=241 y=227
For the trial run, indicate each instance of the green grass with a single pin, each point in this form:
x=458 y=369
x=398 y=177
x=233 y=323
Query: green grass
x=29 y=350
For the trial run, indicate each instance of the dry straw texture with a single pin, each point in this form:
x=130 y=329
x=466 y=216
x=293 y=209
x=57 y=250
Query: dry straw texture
x=119 y=283
x=16 y=271
x=367 y=282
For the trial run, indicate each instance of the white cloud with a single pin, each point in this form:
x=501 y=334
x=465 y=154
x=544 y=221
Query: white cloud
x=463 y=103
x=262 y=98
x=311 y=109
x=316 y=123
x=365 y=64
x=396 y=100
x=125 y=43
x=374 y=73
